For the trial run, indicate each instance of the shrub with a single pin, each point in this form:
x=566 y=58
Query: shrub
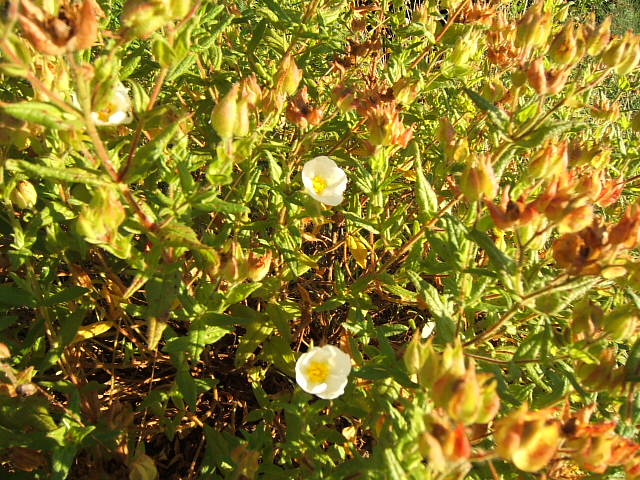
x=435 y=203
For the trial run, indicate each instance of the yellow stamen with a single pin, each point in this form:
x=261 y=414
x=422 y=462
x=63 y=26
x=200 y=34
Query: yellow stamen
x=106 y=113
x=317 y=372
x=319 y=184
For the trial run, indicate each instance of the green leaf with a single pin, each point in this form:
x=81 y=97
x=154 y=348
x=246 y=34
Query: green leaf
x=42 y=113
x=497 y=116
x=15 y=297
x=501 y=260
x=66 y=295
x=71 y=175
x=426 y=196
x=440 y=307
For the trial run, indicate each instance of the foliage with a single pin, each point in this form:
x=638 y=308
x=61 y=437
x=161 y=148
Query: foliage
x=167 y=260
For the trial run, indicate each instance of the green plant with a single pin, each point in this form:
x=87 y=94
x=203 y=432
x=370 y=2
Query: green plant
x=167 y=258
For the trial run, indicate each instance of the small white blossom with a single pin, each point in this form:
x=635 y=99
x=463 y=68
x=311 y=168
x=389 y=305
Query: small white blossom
x=117 y=110
x=323 y=371
x=324 y=180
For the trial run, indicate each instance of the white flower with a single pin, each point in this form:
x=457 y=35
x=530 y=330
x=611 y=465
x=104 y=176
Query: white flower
x=324 y=180
x=117 y=110
x=323 y=371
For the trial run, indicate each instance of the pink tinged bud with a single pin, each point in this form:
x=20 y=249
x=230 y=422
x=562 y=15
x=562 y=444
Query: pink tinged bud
x=225 y=113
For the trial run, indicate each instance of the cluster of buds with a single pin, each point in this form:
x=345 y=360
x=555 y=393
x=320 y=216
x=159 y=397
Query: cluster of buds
x=386 y=128
x=301 y=113
x=596 y=447
x=445 y=446
x=236 y=266
x=529 y=439
x=380 y=107
x=230 y=116
x=75 y=27
x=593 y=250
x=480 y=13
x=511 y=213
x=622 y=54
x=501 y=49
x=465 y=47
x=468 y=397
x=140 y=18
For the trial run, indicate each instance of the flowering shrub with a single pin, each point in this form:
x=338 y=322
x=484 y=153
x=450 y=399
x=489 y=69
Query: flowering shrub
x=320 y=239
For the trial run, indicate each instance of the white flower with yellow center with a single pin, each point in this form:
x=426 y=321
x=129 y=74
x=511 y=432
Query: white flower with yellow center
x=117 y=110
x=323 y=371
x=324 y=180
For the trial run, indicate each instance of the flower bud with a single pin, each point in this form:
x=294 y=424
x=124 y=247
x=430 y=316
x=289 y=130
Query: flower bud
x=534 y=27
x=603 y=375
x=343 y=97
x=577 y=219
x=24 y=195
x=598 y=38
x=250 y=91
x=258 y=267
x=225 y=114
x=288 y=76
x=446 y=448
x=478 y=180
x=140 y=18
x=631 y=56
x=143 y=468
x=556 y=80
x=234 y=267
x=241 y=125
x=550 y=161
x=529 y=439
x=563 y=48
x=405 y=91
x=464 y=48
x=494 y=90
x=99 y=221
x=537 y=76
x=586 y=320
x=613 y=54
x=621 y=323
